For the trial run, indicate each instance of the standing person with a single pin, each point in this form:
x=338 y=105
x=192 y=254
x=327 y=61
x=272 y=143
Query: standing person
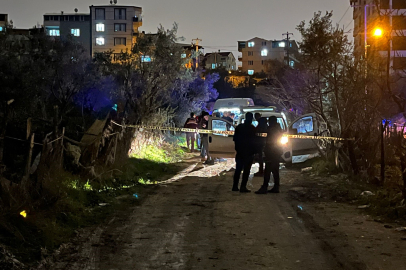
x=226 y=116
x=198 y=140
x=232 y=116
x=257 y=116
x=244 y=139
x=204 y=124
x=262 y=128
x=191 y=123
x=273 y=152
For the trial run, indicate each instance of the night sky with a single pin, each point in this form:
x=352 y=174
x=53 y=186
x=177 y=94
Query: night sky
x=220 y=23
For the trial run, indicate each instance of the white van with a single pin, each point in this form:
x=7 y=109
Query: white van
x=221 y=145
x=232 y=105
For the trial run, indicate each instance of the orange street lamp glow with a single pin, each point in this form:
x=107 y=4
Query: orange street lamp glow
x=378 y=32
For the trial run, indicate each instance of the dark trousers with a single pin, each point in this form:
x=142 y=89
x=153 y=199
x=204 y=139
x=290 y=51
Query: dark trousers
x=271 y=166
x=261 y=162
x=205 y=147
x=242 y=164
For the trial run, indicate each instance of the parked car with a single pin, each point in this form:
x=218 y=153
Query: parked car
x=222 y=145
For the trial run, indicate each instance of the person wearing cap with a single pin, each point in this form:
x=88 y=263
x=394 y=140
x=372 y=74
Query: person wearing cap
x=244 y=140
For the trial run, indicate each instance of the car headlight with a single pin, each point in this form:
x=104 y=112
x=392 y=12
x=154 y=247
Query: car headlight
x=284 y=140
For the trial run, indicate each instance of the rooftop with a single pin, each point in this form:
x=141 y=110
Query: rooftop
x=112 y=5
x=220 y=53
x=63 y=14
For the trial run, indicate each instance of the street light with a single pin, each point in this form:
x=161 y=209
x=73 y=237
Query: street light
x=378 y=32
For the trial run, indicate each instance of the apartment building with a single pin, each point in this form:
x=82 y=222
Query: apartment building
x=219 y=59
x=256 y=51
x=114 y=27
x=3 y=21
x=63 y=24
x=389 y=16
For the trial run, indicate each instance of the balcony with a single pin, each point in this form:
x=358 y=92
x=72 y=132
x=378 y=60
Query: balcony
x=137 y=22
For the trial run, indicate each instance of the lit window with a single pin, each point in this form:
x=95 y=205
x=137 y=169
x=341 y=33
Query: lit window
x=250 y=72
x=54 y=32
x=213 y=66
x=251 y=44
x=292 y=63
x=264 y=52
x=282 y=44
x=1 y=28
x=145 y=58
x=183 y=55
x=100 y=27
x=75 y=32
x=100 y=41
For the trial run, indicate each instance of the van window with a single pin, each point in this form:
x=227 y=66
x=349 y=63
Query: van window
x=304 y=125
x=220 y=125
x=279 y=119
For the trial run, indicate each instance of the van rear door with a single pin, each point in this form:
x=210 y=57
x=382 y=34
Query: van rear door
x=221 y=145
x=306 y=125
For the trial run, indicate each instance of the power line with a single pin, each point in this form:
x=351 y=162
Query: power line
x=344 y=15
x=348 y=25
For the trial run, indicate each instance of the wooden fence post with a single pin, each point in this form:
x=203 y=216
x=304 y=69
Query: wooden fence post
x=61 y=157
x=28 y=165
x=382 y=130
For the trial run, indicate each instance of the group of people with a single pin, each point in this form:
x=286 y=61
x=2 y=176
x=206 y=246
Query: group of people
x=250 y=141
x=262 y=141
x=200 y=122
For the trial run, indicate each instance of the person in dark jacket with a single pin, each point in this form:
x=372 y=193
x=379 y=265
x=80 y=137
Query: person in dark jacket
x=191 y=123
x=244 y=139
x=262 y=128
x=257 y=116
x=226 y=116
x=273 y=151
x=204 y=124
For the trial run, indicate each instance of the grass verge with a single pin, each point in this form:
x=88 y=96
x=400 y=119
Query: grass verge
x=77 y=203
x=325 y=183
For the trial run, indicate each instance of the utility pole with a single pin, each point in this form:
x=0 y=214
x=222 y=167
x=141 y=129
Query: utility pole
x=197 y=51
x=287 y=34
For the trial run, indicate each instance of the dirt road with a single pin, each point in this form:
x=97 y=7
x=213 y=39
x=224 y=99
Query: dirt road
x=198 y=223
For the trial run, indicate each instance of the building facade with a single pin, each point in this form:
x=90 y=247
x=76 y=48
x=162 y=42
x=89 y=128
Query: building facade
x=3 y=21
x=114 y=27
x=389 y=17
x=256 y=51
x=64 y=24
x=219 y=59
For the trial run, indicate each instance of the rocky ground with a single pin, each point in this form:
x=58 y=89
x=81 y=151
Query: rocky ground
x=194 y=221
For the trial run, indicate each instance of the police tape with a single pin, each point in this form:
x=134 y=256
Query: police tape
x=221 y=132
